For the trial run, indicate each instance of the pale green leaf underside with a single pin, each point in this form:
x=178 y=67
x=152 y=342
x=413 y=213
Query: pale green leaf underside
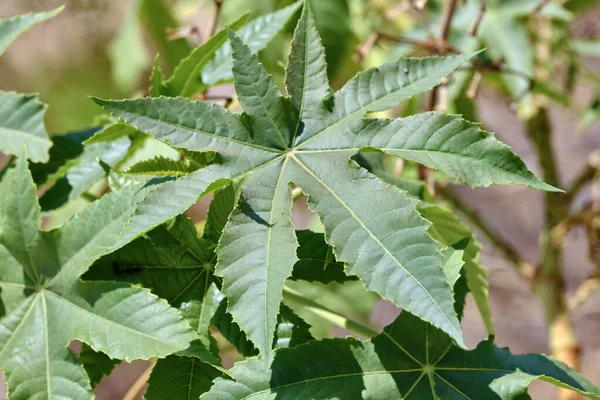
x=11 y=28
x=410 y=360
x=22 y=125
x=386 y=245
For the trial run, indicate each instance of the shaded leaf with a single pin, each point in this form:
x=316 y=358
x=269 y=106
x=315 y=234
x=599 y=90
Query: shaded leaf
x=316 y=261
x=409 y=360
x=58 y=308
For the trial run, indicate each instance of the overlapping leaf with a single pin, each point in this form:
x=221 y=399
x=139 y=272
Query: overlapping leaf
x=177 y=266
x=47 y=306
x=409 y=360
x=309 y=141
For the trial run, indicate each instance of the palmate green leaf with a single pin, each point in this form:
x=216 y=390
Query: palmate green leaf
x=373 y=227
x=11 y=28
x=50 y=306
x=409 y=360
x=22 y=125
x=257 y=34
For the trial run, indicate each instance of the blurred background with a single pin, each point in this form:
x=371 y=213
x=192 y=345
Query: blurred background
x=106 y=48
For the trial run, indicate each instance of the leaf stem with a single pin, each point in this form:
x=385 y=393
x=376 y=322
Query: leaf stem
x=328 y=315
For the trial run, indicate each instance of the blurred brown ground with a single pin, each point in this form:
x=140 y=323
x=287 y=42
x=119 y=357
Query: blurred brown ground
x=72 y=47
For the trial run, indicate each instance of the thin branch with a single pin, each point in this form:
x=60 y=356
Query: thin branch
x=477 y=21
x=431 y=45
x=329 y=315
x=538 y=9
x=215 y=21
x=448 y=13
x=140 y=382
x=363 y=49
x=588 y=288
x=586 y=176
x=475 y=85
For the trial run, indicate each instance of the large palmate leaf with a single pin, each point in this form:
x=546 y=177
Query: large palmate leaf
x=309 y=141
x=47 y=306
x=409 y=360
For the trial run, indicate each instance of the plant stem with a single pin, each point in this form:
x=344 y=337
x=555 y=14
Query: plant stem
x=448 y=13
x=586 y=176
x=548 y=282
x=329 y=315
x=139 y=383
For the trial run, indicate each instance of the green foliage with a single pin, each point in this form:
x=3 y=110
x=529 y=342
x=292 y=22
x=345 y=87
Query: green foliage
x=132 y=277
x=47 y=306
x=309 y=141
x=409 y=360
